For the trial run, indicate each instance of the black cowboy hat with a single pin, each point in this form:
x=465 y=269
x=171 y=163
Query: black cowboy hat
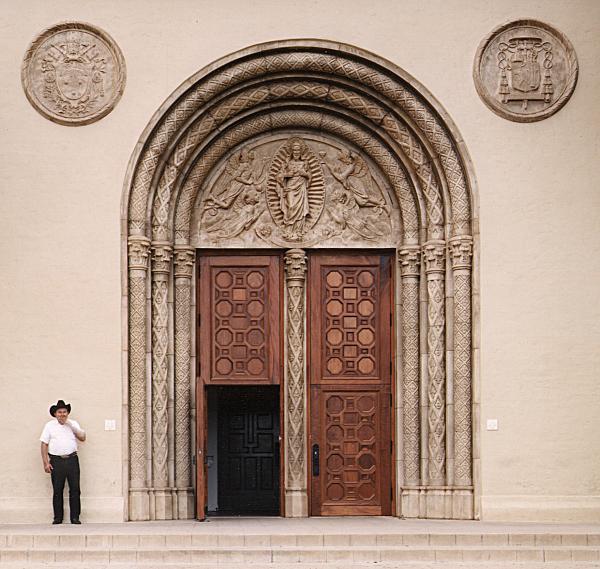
x=60 y=404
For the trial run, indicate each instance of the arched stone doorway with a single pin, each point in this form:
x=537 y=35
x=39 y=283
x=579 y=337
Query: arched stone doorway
x=353 y=117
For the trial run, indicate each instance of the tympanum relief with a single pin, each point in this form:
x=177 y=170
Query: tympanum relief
x=299 y=191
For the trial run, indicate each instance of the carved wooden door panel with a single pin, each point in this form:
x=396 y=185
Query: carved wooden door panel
x=350 y=379
x=239 y=319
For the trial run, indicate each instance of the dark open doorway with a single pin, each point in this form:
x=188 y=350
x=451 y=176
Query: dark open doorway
x=244 y=457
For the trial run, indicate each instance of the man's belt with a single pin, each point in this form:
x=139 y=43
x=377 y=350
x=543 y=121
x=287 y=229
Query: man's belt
x=63 y=455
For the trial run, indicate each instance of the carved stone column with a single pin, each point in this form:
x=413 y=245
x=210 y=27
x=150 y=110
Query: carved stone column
x=434 y=255
x=409 y=258
x=296 y=496
x=461 y=251
x=138 y=249
x=184 y=270
x=161 y=268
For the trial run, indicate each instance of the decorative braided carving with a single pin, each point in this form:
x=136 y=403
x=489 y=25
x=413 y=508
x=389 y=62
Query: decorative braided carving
x=138 y=265
x=434 y=253
x=184 y=266
x=295 y=272
x=461 y=251
x=410 y=261
x=161 y=262
x=301 y=61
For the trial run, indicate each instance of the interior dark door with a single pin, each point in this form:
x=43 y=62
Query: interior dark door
x=350 y=378
x=248 y=447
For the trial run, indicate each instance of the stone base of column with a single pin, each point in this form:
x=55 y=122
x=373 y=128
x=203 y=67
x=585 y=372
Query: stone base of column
x=437 y=503
x=296 y=504
x=163 y=504
x=139 y=505
x=186 y=504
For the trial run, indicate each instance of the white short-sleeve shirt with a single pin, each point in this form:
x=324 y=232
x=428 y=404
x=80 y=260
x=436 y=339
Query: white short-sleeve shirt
x=60 y=439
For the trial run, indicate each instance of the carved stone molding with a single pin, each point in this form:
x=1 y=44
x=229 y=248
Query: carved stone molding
x=161 y=267
x=434 y=255
x=525 y=70
x=138 y=252
x=73 y=73
x=183 y=272
x=295 y=377
x=461 y=252
x=409 y=259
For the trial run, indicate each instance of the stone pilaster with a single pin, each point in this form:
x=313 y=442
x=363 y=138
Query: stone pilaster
x=434 y=256
x=296 y=496
x=461 y=252
x=184 y=270
x=138 y=250
x=409 y=258
x=161 y=268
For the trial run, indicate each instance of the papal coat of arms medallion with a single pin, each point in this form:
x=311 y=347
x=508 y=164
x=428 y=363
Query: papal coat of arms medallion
x=73 y=73
x=525 y=71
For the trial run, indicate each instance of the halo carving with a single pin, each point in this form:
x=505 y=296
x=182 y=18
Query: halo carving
x=295 y=189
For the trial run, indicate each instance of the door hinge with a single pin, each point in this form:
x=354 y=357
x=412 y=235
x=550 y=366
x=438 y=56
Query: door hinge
x=391 y=447
x=199 y=319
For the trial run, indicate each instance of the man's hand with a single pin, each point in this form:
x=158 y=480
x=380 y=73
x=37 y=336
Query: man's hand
x=47 y=468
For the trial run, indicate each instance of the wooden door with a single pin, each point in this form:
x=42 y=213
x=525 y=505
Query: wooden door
x=350 y=366
x=248 y=457
x=239 y=334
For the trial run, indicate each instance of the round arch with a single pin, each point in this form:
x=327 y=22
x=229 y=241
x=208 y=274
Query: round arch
x=377 y=109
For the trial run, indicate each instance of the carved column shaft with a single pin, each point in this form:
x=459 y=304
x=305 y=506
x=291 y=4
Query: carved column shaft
x=161 y=267
x=138 y=248
x=410 y=261
x=184 y=269
x=434 y=255
x=295 y=377
x=461 y=252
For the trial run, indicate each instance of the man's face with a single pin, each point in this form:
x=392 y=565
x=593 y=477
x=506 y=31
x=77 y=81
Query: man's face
x=62 y=415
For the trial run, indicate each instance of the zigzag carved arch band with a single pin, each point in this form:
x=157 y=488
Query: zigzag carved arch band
x=353 y=96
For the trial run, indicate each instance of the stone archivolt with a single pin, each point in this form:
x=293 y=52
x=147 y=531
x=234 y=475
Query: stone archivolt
x=395 y=153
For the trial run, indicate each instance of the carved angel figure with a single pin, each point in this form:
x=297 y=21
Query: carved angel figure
x=232 y=207
x=354 y=175
x=347 y=214
x=294 y=181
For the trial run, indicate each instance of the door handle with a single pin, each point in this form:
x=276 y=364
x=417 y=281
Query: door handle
x=315 y=460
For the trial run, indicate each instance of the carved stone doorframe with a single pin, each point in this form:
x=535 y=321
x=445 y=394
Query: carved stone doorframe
x=330 y=90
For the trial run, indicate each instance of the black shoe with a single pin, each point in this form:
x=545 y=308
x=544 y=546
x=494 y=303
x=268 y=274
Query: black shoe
x=56 y=522
x=76 y=522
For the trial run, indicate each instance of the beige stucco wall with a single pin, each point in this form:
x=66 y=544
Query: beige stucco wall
x=60 y=324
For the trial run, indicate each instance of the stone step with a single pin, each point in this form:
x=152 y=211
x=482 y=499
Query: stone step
x=317 y=555
x=65 y=539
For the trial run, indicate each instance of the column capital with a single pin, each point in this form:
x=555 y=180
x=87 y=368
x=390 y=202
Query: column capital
x=409 y=258
x=461 y=251
x=162 y=253
x=138 y=248
x=434 y=255
x=295 y=265
x=184 y=261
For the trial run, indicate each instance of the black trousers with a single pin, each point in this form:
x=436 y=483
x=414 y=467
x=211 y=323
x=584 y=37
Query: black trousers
x=65 y=469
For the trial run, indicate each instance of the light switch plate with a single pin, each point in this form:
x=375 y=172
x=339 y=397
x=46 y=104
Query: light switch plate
x=110 y=425
x=492 y=424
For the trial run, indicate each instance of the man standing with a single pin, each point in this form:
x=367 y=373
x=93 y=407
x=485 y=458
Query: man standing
x=59 y=456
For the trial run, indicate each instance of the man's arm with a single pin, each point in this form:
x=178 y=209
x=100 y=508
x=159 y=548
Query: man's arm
x=77 y=430
x=45 y=459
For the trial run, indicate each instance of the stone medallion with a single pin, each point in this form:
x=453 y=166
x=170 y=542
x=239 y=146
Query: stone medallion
x=525 y=70
x=73 y=73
